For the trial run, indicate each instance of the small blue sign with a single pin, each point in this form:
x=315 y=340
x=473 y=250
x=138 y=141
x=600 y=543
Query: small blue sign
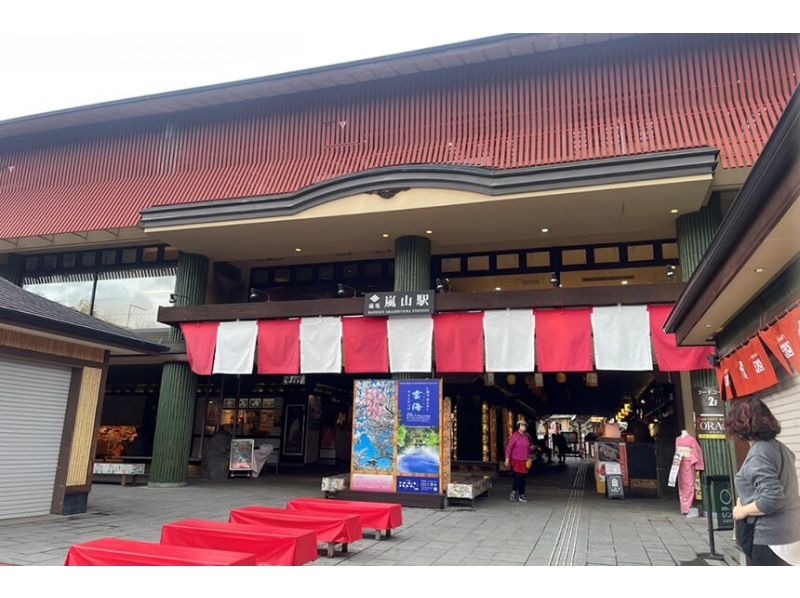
x=419 y=403
x=417 y=485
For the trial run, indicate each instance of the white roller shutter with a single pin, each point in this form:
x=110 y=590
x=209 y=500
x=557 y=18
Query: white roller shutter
x=33 y=401
x=785 y=406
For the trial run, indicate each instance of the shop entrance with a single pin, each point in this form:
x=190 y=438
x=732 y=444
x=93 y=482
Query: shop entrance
x=568 y=414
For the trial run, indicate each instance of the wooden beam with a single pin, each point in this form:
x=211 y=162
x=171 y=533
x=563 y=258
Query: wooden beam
x=350 y=306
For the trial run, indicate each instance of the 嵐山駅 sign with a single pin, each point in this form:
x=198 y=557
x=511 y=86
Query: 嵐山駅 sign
x=410 y=303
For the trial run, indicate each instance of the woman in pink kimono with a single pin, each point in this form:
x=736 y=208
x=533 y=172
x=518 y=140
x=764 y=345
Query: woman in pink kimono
x=691 y=463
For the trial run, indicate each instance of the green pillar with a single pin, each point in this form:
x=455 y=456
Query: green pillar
x=695 y=233
x=11 y=269
x=176 y=401
x=412 y=272
x=412 y=264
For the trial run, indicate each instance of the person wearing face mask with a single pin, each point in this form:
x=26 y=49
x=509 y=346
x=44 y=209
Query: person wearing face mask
x=517 y=455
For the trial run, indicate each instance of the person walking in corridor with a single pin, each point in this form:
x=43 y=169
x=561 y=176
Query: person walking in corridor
x=766 y=484
x=517 y=454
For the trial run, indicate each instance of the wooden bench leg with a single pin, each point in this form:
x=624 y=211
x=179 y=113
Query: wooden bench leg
x=124 y=479
x=388 y=533
x=344 y=548
x=330 y=550
x=377 y=534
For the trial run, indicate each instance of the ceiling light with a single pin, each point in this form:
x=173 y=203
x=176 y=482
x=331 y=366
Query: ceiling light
x=385 y=235
x=430 y=232
x=759 y=270
x=545 y=230
x=297 y=249
x=498 y=288
x=708 y=325
x=673 y=211
x=624 y=282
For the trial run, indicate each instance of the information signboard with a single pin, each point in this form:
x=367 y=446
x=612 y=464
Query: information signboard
x=412 y=303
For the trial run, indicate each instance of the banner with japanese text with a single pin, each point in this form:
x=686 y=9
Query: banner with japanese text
x=419 y=437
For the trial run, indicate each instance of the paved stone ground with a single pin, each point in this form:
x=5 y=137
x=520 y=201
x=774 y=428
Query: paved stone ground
x=561 y=525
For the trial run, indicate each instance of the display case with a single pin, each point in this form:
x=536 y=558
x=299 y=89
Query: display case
x=113 y=441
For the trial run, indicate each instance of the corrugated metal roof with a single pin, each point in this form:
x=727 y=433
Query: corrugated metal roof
x=381 y=67
x=621 y=99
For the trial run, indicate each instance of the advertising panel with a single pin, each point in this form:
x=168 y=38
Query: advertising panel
x=374 y=415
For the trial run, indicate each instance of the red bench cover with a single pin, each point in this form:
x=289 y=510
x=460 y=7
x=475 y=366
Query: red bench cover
x=374 y=515
x=270 y=545
x=337 y=529
x=116 y=552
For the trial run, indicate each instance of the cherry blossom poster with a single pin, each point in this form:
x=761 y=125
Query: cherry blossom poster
x=374 y=429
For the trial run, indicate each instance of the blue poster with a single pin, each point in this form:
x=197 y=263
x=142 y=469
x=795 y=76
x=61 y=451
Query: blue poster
x=418 y=437
x=419 y=403
x=418 y=485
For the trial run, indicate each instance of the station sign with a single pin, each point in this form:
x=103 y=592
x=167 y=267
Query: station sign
x=404 y=303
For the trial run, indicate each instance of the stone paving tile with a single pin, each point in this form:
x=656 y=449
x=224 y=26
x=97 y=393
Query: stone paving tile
x=495 y=532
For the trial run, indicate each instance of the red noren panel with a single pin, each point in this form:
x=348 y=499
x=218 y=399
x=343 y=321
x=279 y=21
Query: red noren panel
x=642 y=95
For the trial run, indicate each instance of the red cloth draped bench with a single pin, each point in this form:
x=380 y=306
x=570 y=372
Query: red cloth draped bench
x=330 y=529
x=270 y=545
x=116 y=552
x=378 y=516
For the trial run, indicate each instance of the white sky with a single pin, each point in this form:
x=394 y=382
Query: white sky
x=62 y=54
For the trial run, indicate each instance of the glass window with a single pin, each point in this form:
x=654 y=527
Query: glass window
x=170 y=254
x=325 y=272
x=72 y=290
x=478 y=262
x=640 y=253
x=49 y=262
x=451 y=264
x=69 y=260
x=537 y=259
x=129 y=256
x=31 y=262
x=88 y=259
x=150 y=254
x=573 y=257
x=350 y=271
x=669 y=251
x=508 y=261
x=305 y=274
x=130 y=298
x=109 y=258
x=283 y=275
x=373 y=270
x=606 y=255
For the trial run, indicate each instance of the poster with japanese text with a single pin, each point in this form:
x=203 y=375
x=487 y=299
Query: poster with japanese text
x=373 y=462
x=419 y=437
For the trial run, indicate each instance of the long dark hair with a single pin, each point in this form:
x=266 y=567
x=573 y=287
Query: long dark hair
x=751 y=419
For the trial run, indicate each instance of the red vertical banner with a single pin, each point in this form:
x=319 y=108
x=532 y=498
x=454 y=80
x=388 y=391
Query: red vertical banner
x=751 y=369
x=366 y=345
x=782 y=347
x=201 y=344
x=789 y=327
x=458 y=342
x=564 y=340
x=279 y=347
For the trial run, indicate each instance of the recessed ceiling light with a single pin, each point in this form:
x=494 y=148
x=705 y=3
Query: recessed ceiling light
x=759 y=270
x=624 y=282
x=545 y=230
x=430 y=232
x=297 y=249
x=498 y=288
x=673 y=211
x=385 y=235
x=708 y=325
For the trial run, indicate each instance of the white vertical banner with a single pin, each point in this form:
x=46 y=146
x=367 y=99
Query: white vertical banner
x=622 y=338
x=236 y=347
x=508 y=337
x=411 y=344
x=321 y=345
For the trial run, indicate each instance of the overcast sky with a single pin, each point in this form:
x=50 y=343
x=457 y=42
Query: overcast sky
x=61 y=54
